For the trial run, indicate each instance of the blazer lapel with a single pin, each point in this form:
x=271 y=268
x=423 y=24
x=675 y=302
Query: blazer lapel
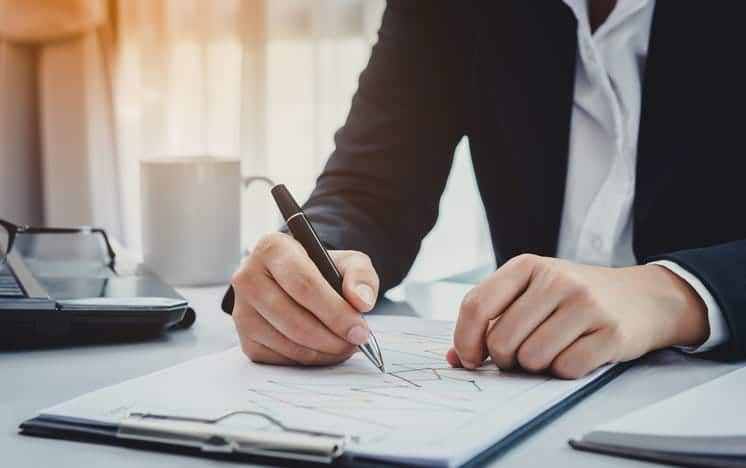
x=669 y=71
x=537 y=43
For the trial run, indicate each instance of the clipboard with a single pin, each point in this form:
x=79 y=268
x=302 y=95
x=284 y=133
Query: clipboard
x=374 y=423
x=205 y=437
x=196 y=435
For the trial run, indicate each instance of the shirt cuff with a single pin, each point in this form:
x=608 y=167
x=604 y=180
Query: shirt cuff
x=719 y=332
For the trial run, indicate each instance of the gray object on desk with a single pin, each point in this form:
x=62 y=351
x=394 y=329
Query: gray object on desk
x=39 y=379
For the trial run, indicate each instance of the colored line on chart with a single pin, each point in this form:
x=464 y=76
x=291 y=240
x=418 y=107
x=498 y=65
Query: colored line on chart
x=438 y=375
x=437 y=339
x=394 y=374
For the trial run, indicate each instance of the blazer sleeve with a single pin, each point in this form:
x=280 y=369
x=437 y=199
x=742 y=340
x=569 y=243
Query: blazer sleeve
x=722 y=269
x=379 y=191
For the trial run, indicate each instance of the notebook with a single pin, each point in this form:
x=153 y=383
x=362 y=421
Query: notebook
x=703 y=426
x=420 y=412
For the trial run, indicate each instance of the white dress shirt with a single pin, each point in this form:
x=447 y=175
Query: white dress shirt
x=597 y=219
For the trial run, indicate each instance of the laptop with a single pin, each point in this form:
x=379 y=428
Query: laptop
x=47 y=302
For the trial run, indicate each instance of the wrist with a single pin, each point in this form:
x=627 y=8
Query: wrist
x=682 y=312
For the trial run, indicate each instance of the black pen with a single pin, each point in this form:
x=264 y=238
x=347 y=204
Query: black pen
x=304 y=233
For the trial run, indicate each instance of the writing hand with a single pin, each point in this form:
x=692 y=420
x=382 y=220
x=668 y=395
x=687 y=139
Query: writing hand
x=287 y=313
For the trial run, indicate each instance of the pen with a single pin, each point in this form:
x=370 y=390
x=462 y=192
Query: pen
x=304 y=233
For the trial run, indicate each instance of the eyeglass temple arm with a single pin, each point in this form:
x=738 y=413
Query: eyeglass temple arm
x=80 y=230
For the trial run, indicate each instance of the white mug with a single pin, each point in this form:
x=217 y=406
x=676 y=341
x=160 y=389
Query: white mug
x=191 y=220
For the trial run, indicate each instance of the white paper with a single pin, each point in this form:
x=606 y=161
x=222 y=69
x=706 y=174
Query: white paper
x=423 y=411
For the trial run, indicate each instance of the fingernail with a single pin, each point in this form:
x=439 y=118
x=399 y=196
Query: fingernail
x=365 y=293
x=357 y=335
x=468 y=364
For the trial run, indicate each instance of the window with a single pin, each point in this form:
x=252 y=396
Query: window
x=269 y=82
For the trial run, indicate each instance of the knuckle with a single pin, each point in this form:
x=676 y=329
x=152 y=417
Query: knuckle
x=615 y=332
x=246 y=291
x=358 y=272
x=240 y=313
x=501 y=353
x=555 y=280
x=238 y=277
x=501 y=337
x=363 y=258
x=375 y=282
x=272 y=300
x=295 y=332
x=530 y=359
x=584 y=295
x=269 y=245
x=306 y=356
x=302 y=286
x=470 y=304
x=564 y=369
x=361 y=265
x=242 y=278
x=245 y=321
x=525 y=260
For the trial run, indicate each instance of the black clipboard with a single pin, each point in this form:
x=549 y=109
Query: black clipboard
x=106 y=433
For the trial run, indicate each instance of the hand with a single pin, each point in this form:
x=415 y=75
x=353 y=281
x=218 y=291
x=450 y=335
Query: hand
x=287 y=313
x=548 y=314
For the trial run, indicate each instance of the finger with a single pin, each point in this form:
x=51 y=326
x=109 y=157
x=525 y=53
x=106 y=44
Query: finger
x=518 y=321
x=261 y=354
x=553 y=336
x=287 y=262
x=359 y=278
x=487 y=301
x=584 y=355
x=254 y=327
x=453 y=359
x=452 y=355
x=293 y=321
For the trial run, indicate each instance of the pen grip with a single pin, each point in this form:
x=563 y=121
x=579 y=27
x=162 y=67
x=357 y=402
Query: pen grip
x=304 y=233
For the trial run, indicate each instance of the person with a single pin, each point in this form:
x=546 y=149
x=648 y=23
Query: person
x=607 y=144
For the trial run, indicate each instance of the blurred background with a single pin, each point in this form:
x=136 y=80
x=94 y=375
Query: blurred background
x=88 y=88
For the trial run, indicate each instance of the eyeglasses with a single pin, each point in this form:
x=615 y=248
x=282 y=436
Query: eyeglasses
x=9 y=231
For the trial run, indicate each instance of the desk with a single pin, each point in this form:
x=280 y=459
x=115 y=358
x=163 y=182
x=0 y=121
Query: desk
x=33 y=380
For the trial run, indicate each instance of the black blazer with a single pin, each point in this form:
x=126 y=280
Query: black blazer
x=502 y=74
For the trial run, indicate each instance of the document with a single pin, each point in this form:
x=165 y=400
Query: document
x=421 y=411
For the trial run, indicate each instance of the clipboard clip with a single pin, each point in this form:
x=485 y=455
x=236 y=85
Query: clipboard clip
x=275 y=440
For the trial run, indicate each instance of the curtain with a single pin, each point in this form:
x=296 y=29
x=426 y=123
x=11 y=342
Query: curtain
x=56 y=126
x=266 y=82
x=20 y=176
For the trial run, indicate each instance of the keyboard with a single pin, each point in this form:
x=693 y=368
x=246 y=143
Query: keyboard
x=9 y=286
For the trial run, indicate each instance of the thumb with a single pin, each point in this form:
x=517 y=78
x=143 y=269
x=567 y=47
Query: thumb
x=359 y=279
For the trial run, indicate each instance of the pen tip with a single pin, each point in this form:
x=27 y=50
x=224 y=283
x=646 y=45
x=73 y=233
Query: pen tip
x=383 y=369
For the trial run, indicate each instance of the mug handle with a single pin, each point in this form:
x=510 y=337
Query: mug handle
x=245 y=182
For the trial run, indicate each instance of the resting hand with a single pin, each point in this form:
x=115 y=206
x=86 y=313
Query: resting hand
x=548 y=314
x=287 y=313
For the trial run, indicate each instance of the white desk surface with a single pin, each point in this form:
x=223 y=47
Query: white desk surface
x=33 y=380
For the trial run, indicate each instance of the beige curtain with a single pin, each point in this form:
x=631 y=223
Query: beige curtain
x=20 y=176
x=70 y=117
